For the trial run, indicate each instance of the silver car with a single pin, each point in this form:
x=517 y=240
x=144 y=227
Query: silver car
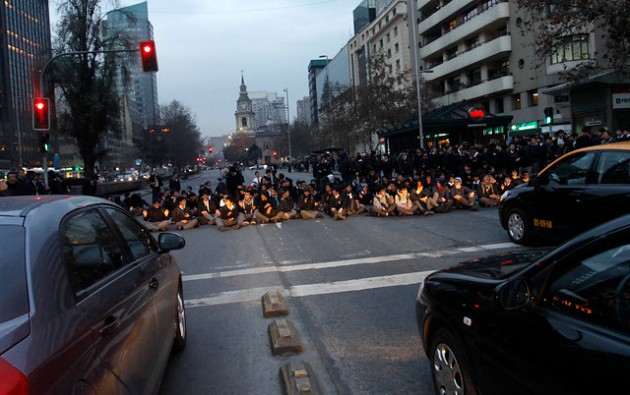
x=90 y=302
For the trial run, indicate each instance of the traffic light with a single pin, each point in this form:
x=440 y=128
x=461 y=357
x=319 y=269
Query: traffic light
x=275 y=154
x=210 y=149
x=44 y=142
x=548 y=115
x=148 y=56
x=41 y=114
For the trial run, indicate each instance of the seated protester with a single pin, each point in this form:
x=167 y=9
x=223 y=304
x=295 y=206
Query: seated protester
x=422 y=199
x=206 y=187
x=248 y=208
x=487 y=192
x=136 y=203
x=326 y=198
x=383 y=204
x=404 y=206
x=192 y=203
x=229 y=216
x=525 y=177
x=516 y=179
x=308 y=205
x=182 y=217
x=354 y=206
x=257 y=180
x=171 y=199
x=267 y=208
x=392 y=189
x=338 y=204
x=365 y=197
x=463 y=197
x=506 y=185
x=442 y=195
x=206 y=209
x=286 y=207
x=155 y=218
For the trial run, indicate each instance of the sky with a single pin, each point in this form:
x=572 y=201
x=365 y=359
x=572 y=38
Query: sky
x=202 y=46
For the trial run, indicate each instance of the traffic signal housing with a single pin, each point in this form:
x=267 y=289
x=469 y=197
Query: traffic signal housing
x=44 y=142
x=210 y=149
x=148 y=56
x=41 y=114
x=548 y=115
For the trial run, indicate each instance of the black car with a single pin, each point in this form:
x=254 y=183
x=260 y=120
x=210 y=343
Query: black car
x=579 y=190
x=533 y=323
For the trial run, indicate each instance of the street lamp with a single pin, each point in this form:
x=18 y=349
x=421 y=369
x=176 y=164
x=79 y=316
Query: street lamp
x=286 y=90
x=332 y=134
x=414 y=41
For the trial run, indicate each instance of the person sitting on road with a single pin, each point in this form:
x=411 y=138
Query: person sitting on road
x=286 y=207
x=355 y=207
x=229 y=216
x=422 y=199
x=155 y=218
x=206 y=209
x=267 y=208
x=442 y=195
x=248 y=208
x=383 y=204
x=308 y=205
x=404 y=205
x=463 y=197
x=182 y=217
x=338 y=205
x=488 y=195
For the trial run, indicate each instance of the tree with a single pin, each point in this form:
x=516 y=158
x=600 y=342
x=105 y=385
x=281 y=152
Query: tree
x=89 y=106
x=183 y=141
x=556 y=22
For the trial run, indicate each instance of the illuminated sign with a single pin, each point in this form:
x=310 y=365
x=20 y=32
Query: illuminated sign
x=476 y=113
x=525 y=126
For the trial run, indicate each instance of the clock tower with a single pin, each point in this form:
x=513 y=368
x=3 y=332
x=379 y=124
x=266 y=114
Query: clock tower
x=244 y=115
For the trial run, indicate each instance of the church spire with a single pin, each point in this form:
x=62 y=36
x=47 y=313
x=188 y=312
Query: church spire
x=243 y=87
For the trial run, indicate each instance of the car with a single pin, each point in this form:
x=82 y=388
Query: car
x=258 y=167
x=90 y=301
x=576 y=192
x=532 y=322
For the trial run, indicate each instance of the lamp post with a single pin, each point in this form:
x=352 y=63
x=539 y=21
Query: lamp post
x=332 y=135
x=414 y=43
x=286 y=90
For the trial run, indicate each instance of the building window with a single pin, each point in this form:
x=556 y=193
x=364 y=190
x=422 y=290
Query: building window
x=498 y=105
x=398 y=65
x=244 y=122
x=570 y=48
x=396 y=48
x=389 y=53
x=395 y=30
x=388 y=37
x=532 y=98
x=474 y=77
x=516 y=101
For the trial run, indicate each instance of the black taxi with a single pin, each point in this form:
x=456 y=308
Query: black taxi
x=577 y=191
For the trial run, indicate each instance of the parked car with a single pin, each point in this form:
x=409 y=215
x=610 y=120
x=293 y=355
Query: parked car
x=90 y=302
x=533 y=323
x=579 y=190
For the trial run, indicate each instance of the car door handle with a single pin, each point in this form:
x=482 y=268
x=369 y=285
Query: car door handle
x=111 y=324
x=154 y=283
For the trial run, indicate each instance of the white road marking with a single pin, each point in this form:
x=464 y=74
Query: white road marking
x=254 y=294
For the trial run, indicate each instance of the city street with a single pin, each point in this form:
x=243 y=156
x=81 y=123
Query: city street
x=350 y=287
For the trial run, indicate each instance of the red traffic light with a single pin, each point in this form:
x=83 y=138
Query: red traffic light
x=148 y=56
x=41 y=114
x=275 y=153
x=210 y=149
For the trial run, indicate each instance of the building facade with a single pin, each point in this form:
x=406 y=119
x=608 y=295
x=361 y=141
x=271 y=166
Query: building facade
x=303 y=110
x=24 y=47
x=269 y=109
x=244 y=115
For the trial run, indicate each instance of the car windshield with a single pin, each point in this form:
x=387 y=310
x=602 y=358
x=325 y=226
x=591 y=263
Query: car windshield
x=13 y=292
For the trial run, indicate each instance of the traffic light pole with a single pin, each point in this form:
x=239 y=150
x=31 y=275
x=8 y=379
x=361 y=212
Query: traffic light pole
x=42 y=74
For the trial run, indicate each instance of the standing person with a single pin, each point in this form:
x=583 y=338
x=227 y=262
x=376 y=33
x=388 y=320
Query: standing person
x=182 y=216
x=229 y=215
x=233 y=180
x=155 y=217
x=155 y=182
x=174 y=184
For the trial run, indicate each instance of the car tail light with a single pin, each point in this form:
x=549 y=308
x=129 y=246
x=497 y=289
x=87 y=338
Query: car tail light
x=12 y=381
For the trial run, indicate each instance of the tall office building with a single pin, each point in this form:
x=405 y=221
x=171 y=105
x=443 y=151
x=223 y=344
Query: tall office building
x=269 y=109
x=303 y=109
x=24 y=47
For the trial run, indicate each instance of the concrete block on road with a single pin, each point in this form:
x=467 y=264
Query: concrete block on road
x=284 y=337
x=298 y=379
x=273 y=304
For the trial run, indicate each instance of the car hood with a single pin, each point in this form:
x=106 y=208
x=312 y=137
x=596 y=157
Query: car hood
x=495 y=266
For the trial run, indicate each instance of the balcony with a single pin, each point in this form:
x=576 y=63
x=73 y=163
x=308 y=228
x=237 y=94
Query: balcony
x=485 y=52
x=439 y=16
x=498 y=13
x=487 y=88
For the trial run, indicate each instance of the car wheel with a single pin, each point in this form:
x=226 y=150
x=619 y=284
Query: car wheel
x=518 y=226
x=180 y=324
x=450 y=366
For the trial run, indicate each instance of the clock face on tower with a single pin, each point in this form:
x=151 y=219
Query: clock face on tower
x=243 y=106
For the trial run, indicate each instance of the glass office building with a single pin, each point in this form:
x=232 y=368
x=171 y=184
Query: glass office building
x=24 y=47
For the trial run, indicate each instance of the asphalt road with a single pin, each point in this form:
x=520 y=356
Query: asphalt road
x=350 y=286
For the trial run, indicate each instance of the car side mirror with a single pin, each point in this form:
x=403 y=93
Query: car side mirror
x=171 y=241
x=514 y=294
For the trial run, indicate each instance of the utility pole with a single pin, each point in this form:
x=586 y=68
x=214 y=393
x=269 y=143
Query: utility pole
x=286 y=90
x=414 y=45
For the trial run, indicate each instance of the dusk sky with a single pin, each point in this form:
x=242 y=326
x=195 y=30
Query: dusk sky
x=203 y=45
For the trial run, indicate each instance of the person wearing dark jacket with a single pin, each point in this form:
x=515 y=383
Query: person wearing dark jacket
x=338 y=205
x=230 y=215
x=463 y=197
x=155 y=217
x=308 y=205
x=206 y=209
x=286 y=208
x=174 y=184
x=267 y=208
x=182 y=216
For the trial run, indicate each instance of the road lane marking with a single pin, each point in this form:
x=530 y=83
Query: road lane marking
x=255 y=294
x=341 y=263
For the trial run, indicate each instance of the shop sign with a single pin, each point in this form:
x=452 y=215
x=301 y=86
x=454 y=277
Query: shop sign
x=620 y=100
x=525 y=126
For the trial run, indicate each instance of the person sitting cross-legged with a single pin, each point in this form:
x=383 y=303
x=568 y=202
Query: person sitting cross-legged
x=156 y=217
x=267 y=208
x=248 y=208
x=422 y=199
x=404 y=206
x=286 y=208
x=308 y=205
x=229 y=216
x=182 y=216
x=463 y=197
x=206 y=209
x=487 y=192
x=338 y=205
x=383 y=204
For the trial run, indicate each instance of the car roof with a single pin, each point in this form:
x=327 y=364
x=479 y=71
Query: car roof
x=15 y=206
x=618 y=146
